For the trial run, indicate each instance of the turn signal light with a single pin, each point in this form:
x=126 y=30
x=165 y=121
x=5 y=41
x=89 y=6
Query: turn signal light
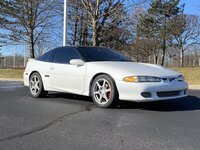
x=130 y=79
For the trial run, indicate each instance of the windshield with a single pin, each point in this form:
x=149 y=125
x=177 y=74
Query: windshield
x=100 y=54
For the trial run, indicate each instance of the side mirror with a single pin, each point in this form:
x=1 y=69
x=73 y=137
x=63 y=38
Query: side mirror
x=77 y=62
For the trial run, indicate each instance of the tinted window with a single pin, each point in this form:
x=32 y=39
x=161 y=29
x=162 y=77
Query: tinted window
x=100 y=54
x=64 y=55
x=46 y=57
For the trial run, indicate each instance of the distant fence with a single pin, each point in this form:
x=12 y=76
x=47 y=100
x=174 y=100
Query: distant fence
x=12 y=62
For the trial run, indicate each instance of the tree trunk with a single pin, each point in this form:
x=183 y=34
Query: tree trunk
x=76 y=25
x=182 y=58
x=75 y=31
x=164 y=42
x=94 y=33
x=85 y=35
x=164 y=51
x=31 y=45
x=156 y=59
x=81 y=31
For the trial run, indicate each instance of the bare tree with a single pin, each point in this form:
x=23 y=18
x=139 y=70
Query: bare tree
x=186 y=32
x=27 y=20
x=78 y=23
x=100 y=11
x=143 y=48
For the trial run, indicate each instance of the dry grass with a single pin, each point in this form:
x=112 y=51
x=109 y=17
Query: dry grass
x=11 y=73
x=192 y=74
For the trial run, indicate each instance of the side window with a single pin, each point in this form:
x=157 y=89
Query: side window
x=64 y=55
x=45 y=57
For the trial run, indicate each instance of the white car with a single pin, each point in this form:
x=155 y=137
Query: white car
x=103 y=74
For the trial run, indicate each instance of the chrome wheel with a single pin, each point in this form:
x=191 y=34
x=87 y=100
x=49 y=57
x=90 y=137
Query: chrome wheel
x=102 y=91
x=35 y=85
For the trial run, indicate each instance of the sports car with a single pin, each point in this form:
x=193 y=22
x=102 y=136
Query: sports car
x=104 y=74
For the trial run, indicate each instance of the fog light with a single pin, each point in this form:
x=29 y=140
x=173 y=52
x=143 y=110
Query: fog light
x=146 y=94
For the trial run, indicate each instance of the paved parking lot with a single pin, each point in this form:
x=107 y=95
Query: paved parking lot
x=66 y=121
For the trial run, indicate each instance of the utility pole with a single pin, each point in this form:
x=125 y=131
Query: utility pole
x=65 y=24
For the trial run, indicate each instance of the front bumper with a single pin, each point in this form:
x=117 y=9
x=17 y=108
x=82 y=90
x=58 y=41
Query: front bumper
x=158 y=91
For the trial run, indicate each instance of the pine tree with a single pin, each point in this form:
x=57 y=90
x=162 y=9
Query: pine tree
x=157 y=22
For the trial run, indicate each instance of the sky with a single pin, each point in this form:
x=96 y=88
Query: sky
x=192 y=7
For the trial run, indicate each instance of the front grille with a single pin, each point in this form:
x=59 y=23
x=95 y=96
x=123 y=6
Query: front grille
x=168 y=94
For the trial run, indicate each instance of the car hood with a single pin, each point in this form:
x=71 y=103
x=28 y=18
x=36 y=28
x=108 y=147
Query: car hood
x=133 y=68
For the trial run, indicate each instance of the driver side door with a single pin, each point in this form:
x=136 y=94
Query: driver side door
x=64 y=76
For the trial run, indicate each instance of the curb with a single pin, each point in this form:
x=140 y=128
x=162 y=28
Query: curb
x=194 y=87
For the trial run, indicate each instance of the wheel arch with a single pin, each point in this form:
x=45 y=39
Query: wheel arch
x=33 y=73
x=98 y=74
x=40 y=77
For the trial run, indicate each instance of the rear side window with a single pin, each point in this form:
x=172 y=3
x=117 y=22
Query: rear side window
x=64 y=55
x=46 y=57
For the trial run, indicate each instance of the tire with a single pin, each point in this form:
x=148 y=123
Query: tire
x=104 y=92
x=36 y=86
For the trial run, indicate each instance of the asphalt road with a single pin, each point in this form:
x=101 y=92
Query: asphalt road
x=70 y=122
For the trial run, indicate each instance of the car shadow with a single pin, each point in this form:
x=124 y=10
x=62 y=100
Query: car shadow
x=65 y=97
x=188 y=103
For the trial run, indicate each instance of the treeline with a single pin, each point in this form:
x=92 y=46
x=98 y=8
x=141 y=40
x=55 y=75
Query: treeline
x=157 y=33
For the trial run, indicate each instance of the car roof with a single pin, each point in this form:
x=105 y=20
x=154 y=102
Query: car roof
x=82 y=47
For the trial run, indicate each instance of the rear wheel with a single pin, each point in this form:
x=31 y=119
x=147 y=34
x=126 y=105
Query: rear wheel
x=104 y=91
x=36 y=86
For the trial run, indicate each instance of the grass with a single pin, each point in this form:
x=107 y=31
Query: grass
x=11 y=73
x=192 y=74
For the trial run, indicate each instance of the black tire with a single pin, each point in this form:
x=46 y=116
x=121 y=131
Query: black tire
x=36 y=86
x=104 y=92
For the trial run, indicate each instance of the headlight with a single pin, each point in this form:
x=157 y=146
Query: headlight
x=180 y=78
x=141 y=79
x=149 y=79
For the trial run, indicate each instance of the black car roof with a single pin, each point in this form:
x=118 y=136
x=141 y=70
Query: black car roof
x=82 y=47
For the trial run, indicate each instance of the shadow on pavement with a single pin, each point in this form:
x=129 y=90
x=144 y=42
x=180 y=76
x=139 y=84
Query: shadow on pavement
x=64 y=97
x=183 y=104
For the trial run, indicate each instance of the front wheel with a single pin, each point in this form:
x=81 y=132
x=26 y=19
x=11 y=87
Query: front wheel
x=104 y=92
x=36 y=86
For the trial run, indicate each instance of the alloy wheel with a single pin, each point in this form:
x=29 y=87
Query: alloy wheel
x=35 y=86
x=102 y=91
